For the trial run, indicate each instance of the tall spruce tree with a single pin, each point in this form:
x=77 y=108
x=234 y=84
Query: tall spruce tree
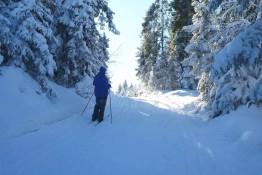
x=237 y=72
x=149 y=49
x=236 y=81
x=27 y=39
x=230 y=18
x=160 y=70
x=182 y=12
x=152 y=62
x=198 y=48
x=83 y=48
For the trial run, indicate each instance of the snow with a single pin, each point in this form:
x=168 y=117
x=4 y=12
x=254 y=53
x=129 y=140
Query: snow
x=42 y=137
x=23 y=103
x=71 y=3
x=246 y=43
x=181 y=101
x=236 y=72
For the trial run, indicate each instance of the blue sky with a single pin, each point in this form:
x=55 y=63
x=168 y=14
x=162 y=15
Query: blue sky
x=129 y=15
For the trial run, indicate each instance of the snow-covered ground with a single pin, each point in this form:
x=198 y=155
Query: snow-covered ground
x=155 y=134
x=180 y=101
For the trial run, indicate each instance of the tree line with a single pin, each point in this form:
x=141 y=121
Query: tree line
x=212 y=46
x=58 y=40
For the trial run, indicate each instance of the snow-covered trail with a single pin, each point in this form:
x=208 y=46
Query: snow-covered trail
x=143 y=139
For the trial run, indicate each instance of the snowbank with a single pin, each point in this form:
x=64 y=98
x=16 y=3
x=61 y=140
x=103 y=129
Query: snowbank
x=24 y=108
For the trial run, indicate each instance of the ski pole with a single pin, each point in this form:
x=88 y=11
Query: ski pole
x=87 y=104
x=110 y=109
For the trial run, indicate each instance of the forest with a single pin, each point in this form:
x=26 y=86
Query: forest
x=214 y=46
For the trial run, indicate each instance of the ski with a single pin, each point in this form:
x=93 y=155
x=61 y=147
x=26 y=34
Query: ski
x=95 y=122
x=98 y=123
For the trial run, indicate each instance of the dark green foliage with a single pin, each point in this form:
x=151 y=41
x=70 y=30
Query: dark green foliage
x=181 y=15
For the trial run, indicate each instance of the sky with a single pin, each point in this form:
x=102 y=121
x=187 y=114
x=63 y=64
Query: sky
x=129 y=15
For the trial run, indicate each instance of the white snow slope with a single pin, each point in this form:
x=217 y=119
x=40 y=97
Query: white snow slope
x=38 y=137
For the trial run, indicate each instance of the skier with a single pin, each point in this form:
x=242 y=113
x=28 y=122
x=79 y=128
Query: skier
x=102 y=87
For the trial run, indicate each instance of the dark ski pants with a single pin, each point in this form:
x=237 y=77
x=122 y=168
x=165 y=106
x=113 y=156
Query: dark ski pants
x=98 y=113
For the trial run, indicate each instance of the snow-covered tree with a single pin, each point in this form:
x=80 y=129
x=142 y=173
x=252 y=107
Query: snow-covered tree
x=237 y=72
x=149 y=49
x=128 y=90
x=227 y=31
x=83 y=48
x=200 y=56
x=26 y=37
x=152 y=68
x=62 y=41
x=182 y=12
x=160 y=70
x=123 y=89
x=229 y=18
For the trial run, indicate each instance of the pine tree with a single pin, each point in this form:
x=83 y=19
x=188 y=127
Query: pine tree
x=230 y=18
x=123 y=89
x=26 y=39
x=200 y=56
x=83 y=48
x=160 y=71
x=5 y=34
x=127 y=90
x=152 y=53
x=149 y=49
x=237 y=73
x=119 y=89
x=182 y=13
x=234 y=76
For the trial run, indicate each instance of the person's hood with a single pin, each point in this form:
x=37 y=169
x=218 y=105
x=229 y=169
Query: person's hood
x=102 y=70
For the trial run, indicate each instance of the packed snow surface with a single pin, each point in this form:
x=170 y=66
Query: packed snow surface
x=155 y=134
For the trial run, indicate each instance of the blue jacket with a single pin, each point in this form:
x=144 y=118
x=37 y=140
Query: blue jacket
x=101 y=84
